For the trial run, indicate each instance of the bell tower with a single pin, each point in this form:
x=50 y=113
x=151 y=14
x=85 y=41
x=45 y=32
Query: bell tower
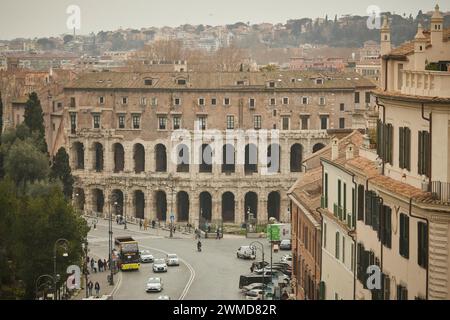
x=385 y=37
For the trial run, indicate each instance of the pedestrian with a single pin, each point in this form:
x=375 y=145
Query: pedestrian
x=105 y=264
x=218 y=234
x=140 y=224
x=97 y=288
x=87 y=259
x=174 y=229
x=100 y=265
x=117 y=219
x=95 y=266
x=90 y=287
x=209 y=229
x=92 y=264
x=252 y=268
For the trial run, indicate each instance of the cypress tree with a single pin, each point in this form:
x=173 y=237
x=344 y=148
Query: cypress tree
x=34 y=119
x=61 y=170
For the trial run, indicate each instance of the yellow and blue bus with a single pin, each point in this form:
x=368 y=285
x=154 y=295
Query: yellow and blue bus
x=128 y=250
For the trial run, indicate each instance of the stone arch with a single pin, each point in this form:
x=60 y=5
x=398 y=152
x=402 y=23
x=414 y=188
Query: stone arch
x=78 y=155
x=274 y=158
x=119 y=157
x=182 y=158
x=251 y=204
x=79 y=198
x=317 y=147
x=228 y=207
x=117 y=202
x=139 y=204
x=161 y=205
x=206 y=156
x=98 y=200
x=296 y=157
x=182 y=206
x=251 y=158
x=228 y=158
x=160 y=158
x=205 y=207
x=97 y=148
x=139 y=158
x=273 y=205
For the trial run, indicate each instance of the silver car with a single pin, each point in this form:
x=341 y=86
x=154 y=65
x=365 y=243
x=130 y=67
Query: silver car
x=159 y=265
x=146 y=256
x=285 y=244
x=172 y=260
x=154 y=284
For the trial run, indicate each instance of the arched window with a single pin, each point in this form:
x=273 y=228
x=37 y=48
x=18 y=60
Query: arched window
x=296 y=157
x=160 y=158
x=119 y=157
x=139 y=158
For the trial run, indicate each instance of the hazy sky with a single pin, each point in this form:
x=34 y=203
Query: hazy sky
x=37 y=18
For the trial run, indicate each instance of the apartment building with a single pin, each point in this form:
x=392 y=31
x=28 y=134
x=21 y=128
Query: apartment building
x=121 y=130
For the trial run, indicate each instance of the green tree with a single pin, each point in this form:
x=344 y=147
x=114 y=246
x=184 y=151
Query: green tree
x=34 y=118
x=61 y=170
x=2 y=173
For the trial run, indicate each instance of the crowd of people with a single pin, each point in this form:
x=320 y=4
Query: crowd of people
x=100 y=265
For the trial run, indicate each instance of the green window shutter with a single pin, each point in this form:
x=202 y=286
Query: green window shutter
x=402 y=228
x=326 y=190
x=401 y=147
x=322 y=289
x=407 y=148
x=337 y=245
x=407 y=236
x=390 y=143
x=339 y=193
x=426 y=147
x=379 y=141
x=344 y=214
x=388 y=227
x=420 y=164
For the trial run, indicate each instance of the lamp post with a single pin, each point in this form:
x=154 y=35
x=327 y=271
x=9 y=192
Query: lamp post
x=264 y=275
x=171 y=186
x=64 y=243
x=110 y=235
x=85 y=267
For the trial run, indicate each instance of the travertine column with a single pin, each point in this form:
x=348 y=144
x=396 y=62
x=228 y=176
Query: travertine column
x=285 y=157
x=128 y=156
x=149 y=156
x=150 y=212
x=216 y=213
x=284 y=205
x=88 y=156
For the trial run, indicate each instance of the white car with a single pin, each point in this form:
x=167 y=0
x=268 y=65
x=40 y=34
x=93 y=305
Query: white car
x=146 y=256
x=285 y=244
x=255 y=294
x=286 y=258
x=159 y=265
x=154 y=284
x=172 y=260
x=246 y=252
x=252 y=286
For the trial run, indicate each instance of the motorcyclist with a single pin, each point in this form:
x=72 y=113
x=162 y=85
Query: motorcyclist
x=199 y=245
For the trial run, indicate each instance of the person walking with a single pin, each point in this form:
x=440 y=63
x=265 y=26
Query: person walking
x=100 y=265
x=90 y=287
x=218 y=233
x=105 y=264
x=97 y=288
x=140 y=224
x=92 y=264
x=95 y=266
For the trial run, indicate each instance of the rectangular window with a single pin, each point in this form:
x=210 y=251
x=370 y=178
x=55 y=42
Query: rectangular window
x=136 y=121
x=386 y=234
x=324 y=235
x=143 y=101
x=201 y=123
x=230 y=122
x=343 y=249
x=285 y=100
x=336 y=252
x=360 y=202
x=405 y=148
x=305 y=100
x=404 y=236
x=73 y=123
x=251 y=103
x=257 y=122
x=356 y=97
x=422 y=244
x=121 y=121
x=162 y=123
x=273 y=101
x=177 y=101
x=342 y=107
x=326 y=189
x=96 y=121
x=226 y=101
x=213 y=101
x=322 y=101
x=181 y=81
x=124 y=100
x=402 y=292
x=72 y=102
x=201 y=101
x=285 y=123
x=341 y=123
x=304 y=122
x=324 y=122
x=367 y=97
x=154 y=101
x=148 y=82
x=344 y=202
x=352 y=256
x=101 y=100
x=424 y=153
x=176 y=123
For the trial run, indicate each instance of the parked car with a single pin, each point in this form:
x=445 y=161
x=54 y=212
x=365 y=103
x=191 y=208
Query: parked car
x=159 y=265
x=172 y=260
x=285 y=245
x=146 y=256
x=246 y=252
x=287 y=258
x=255 y=294
x=245 y=280
x=256 y=285
x=154 y=284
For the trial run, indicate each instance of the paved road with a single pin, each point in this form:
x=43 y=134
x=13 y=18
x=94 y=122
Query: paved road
x=212 y=274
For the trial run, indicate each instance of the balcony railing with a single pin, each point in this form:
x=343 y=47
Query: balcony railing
x=426 y=83
x=440 y=191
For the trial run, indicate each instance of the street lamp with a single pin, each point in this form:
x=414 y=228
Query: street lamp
x=171 y=186
x=110 y=235
x=63 y=243
x=264 y=274
x=85 y=266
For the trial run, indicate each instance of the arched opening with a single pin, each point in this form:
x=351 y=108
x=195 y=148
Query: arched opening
x=205 y=206
x=160 y=158
x=318 y=146
x=296 y=157
x=206 y=158
x=98 y=157
x=251 y=159
x=228 y=206
x=182 y=158
x=78 y=156
x=228 y=158
x=182 y=206
x=161 y=205
x=98 y=200
x=273 y=158
x=251 y=205
x=139 y=204
x=273 y=205
x=117 y=202
x=119 y=157
x=139 y=158
x=79 y=198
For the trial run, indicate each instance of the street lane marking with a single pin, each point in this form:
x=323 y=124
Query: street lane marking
x=191 y=270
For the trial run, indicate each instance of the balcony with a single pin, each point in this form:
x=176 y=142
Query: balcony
x=440 y=191
x=426 y=83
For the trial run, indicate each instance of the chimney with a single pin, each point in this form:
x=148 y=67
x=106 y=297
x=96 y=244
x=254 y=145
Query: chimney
x=334 y=149
x=349 y=152
x=437 y=26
